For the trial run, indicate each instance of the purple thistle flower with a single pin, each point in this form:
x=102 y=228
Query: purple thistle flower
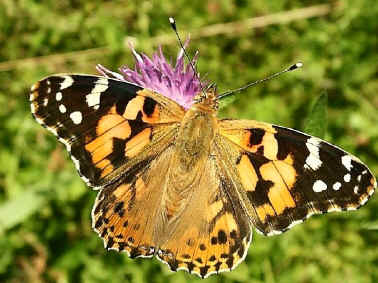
x=178 y=83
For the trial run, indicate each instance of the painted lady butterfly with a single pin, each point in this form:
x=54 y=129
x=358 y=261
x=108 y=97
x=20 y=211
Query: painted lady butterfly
x=178 y=183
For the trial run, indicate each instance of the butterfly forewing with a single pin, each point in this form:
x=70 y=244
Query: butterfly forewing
x=106 y=124
x=289 y=176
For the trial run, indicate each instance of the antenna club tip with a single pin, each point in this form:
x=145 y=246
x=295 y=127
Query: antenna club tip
x=173 y=23
x=295 y=66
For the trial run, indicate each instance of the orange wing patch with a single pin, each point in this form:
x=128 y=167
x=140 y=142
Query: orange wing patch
x=110 y=126
x=265 y=210
x=135 y=145
x=279 y=194
x=252 y=136
x=247 y=173
x=154 y=108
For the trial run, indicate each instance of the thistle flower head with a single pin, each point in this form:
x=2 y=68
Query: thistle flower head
x=178 y=83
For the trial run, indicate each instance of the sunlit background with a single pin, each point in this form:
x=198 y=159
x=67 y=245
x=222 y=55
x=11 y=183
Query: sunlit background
x=45 y=224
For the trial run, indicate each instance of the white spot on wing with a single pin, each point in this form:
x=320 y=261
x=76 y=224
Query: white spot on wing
x=58 y=96
x=45 y=101
x=62 y=108
x=355 y=190
x=68 y=81
x=313 y=159
x=93 y=99
x=319 y=186
x=336 y=186
x=346 y=160
x=32 y=107
x=359 y=178
x=347 y=178
x=76 y=117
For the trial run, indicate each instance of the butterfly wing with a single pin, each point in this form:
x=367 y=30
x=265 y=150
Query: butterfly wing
x=127 y=214
x=213 y=233
x=287 y=176
x=107 y=125
x=119 y=136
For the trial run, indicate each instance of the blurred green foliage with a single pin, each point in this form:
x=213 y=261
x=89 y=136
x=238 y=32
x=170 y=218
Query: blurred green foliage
x=45 y=223
x=316 y=123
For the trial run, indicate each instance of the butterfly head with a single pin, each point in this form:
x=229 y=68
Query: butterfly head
x=207 y=100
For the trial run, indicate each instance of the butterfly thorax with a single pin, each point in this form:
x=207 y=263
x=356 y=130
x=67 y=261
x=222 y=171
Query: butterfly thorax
x=195 y=136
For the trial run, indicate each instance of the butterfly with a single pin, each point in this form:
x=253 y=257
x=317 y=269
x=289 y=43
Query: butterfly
x=182 y=185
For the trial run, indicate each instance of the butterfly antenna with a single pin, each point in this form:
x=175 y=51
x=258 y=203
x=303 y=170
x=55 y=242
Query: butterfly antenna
x=174 y=27
x=289 y=69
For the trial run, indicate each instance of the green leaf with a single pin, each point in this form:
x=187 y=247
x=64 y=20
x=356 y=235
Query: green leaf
x=316 y=122
x=17 y=210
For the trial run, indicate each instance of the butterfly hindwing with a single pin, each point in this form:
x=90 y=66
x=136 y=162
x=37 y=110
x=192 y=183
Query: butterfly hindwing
x=210 y=234
x=106 y=124
x=213 y=232
x=289 y=176
x=126 y=213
